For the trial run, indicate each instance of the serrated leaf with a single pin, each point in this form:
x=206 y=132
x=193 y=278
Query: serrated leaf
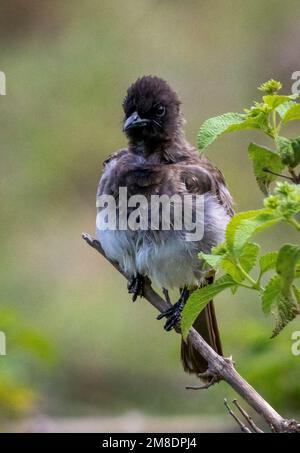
x=275 y=100
x=296 y=294
x=220 y=249
x=210 y=259
x=268 y=262
x=271 y=294
x=223 y=124
x=285 y=150
x=199 y=299
x=264 y=159
x=288 y=257
x=229 y=266
x=279 y=295
x=283 y=108
x=236 y=221
x=296 y=148
x=245 y=224
x=248 y=256
x=292 y=114
x=284 y=312
x=283 y=309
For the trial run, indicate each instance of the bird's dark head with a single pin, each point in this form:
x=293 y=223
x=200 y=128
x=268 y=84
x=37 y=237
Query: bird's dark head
x=152 y=112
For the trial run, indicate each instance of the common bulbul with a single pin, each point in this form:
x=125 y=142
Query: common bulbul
x=160 y=161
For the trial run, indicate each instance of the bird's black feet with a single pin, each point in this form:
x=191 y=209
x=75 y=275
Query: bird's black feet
x=173 y=314
x=135 y=286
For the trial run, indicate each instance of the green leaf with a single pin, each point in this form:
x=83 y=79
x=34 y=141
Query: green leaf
x=270 y=87
x=283 y=108
x=246 y=258
x=292 y=114
x=264 y=159
x=280 y=295
x=296 y=294
x=283 y=309
x=210 y=259
x=229 y=266
x=199 y=299
x=220 y=249
x=296 y=148
x=284 y=312
x=287 y=260
x=268 y=262
x=271 y=294
x=223 y=124
x=234 y=224
x=285 y=150
x=245 y=224
x=276 y=100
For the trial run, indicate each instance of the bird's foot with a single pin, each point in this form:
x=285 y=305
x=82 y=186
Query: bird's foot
x=173 y=314
x=135 y=286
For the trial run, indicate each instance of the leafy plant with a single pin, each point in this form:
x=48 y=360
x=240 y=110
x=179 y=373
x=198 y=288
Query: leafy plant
x=25 y=347
x=238 y=256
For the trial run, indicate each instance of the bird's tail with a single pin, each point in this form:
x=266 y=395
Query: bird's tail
x=206 y=325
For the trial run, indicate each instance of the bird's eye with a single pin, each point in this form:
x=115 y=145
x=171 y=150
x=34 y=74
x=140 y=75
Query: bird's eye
x=160 y=110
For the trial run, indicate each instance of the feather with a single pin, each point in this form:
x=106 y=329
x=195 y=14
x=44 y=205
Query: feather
x=159 y=161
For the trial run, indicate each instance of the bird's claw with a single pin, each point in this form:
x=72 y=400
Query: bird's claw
x=173 y=316
x=135 y=286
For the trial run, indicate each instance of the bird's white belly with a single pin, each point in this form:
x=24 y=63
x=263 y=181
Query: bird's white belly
x=165 y=256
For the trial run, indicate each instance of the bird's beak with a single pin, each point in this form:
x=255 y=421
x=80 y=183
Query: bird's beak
x=134 y=121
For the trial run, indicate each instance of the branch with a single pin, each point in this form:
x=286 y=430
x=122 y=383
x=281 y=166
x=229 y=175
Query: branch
x=219 y=368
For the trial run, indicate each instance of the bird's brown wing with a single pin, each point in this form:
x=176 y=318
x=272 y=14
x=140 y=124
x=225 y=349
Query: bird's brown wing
x=202 y=176
x=198 y=178
x=108 y=183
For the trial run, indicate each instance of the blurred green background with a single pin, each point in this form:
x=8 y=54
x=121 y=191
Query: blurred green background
x=76 y=345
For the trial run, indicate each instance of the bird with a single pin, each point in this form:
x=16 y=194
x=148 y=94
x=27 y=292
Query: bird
x=159 y=161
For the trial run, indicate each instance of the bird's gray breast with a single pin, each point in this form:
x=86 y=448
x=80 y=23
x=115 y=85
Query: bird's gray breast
x=167 y=257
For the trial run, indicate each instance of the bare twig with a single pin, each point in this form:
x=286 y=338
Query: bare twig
x=251 y=423
x=219 y=367
x=243 y=427
x=212 y=381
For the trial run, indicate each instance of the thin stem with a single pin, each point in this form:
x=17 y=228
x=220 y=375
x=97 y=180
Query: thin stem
x=275 y=129
x=295 y=178
x=259 y=279
x=279 y=126
x=266 y=170
x=294 y=223
x=254 y=283
x=247 y=286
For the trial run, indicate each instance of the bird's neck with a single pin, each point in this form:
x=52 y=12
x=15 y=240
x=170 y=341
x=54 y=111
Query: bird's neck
x=166 y=150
